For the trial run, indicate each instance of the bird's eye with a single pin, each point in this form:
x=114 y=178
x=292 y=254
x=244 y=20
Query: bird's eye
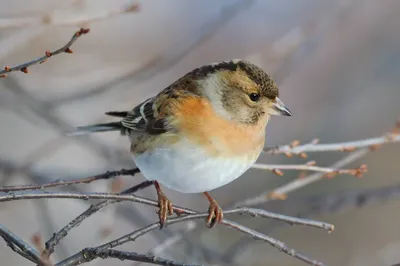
x=254 y=96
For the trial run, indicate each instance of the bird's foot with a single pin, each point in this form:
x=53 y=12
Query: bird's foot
x=164 y=204
x=215 y=213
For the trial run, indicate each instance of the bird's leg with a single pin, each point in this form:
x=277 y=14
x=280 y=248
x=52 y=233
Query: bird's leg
x=215 y=214
x=164 y=204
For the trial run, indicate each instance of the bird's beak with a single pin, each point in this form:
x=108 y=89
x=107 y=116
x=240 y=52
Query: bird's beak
x=279 y=108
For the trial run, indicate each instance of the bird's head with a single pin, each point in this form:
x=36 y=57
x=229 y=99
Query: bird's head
x=241 y=91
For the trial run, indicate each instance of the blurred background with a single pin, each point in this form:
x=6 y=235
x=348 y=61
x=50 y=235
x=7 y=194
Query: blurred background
x=337 y=63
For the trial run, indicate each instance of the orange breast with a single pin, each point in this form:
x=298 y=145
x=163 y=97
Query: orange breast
x=196 y=119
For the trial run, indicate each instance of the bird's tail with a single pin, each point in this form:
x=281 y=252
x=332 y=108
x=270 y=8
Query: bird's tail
x=83 y=130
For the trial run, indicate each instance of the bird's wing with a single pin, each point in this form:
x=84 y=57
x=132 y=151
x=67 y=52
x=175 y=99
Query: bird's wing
x=144 y=118
x=155 y=115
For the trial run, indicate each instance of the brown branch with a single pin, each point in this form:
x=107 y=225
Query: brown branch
x=65 y=49
x=21 y=247
x=86 y=180
x=89 y=254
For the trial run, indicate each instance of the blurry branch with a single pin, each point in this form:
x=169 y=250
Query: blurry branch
x=11 y=196
x=65 y=49
x=89 y=254
x=308 y=206
x=50 y=20
x=296 y=149
x=86 y=180
x=161 y=63
x=41 y=109
x=21 y=247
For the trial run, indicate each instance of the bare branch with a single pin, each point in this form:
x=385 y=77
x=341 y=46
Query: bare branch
x=65 y=49
x=21 y=247
x=11 y=196
x=86 y=180
x=56 y=238
x=297 y=149
x=310 y=166
x=89 y=254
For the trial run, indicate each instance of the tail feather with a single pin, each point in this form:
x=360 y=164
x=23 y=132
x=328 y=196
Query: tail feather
x=117 y=113
x=83 y=130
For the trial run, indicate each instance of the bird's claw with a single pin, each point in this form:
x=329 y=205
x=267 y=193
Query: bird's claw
x=215 y=215
x=165 y=208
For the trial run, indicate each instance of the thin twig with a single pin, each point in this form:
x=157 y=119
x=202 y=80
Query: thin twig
x=297 y=149
x=56 y=238
x=65 y=49
x=21 y=247
x=86 y=180
x=89 y=254
x=277 y=168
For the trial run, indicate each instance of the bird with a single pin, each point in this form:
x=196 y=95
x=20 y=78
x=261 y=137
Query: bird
x=200 y=133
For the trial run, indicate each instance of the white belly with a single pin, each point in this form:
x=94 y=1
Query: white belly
x=186 y=168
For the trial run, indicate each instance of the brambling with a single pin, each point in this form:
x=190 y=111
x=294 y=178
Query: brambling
x=202 y=132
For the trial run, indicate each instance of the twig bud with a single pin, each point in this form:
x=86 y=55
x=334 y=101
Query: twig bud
x=278 y=172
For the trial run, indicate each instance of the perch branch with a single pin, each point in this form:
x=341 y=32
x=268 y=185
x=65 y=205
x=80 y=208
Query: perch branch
x=11 y=196
x=65 y=49
x=86 y=180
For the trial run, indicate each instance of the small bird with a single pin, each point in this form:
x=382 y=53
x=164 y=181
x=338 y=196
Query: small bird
x=202 y=132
